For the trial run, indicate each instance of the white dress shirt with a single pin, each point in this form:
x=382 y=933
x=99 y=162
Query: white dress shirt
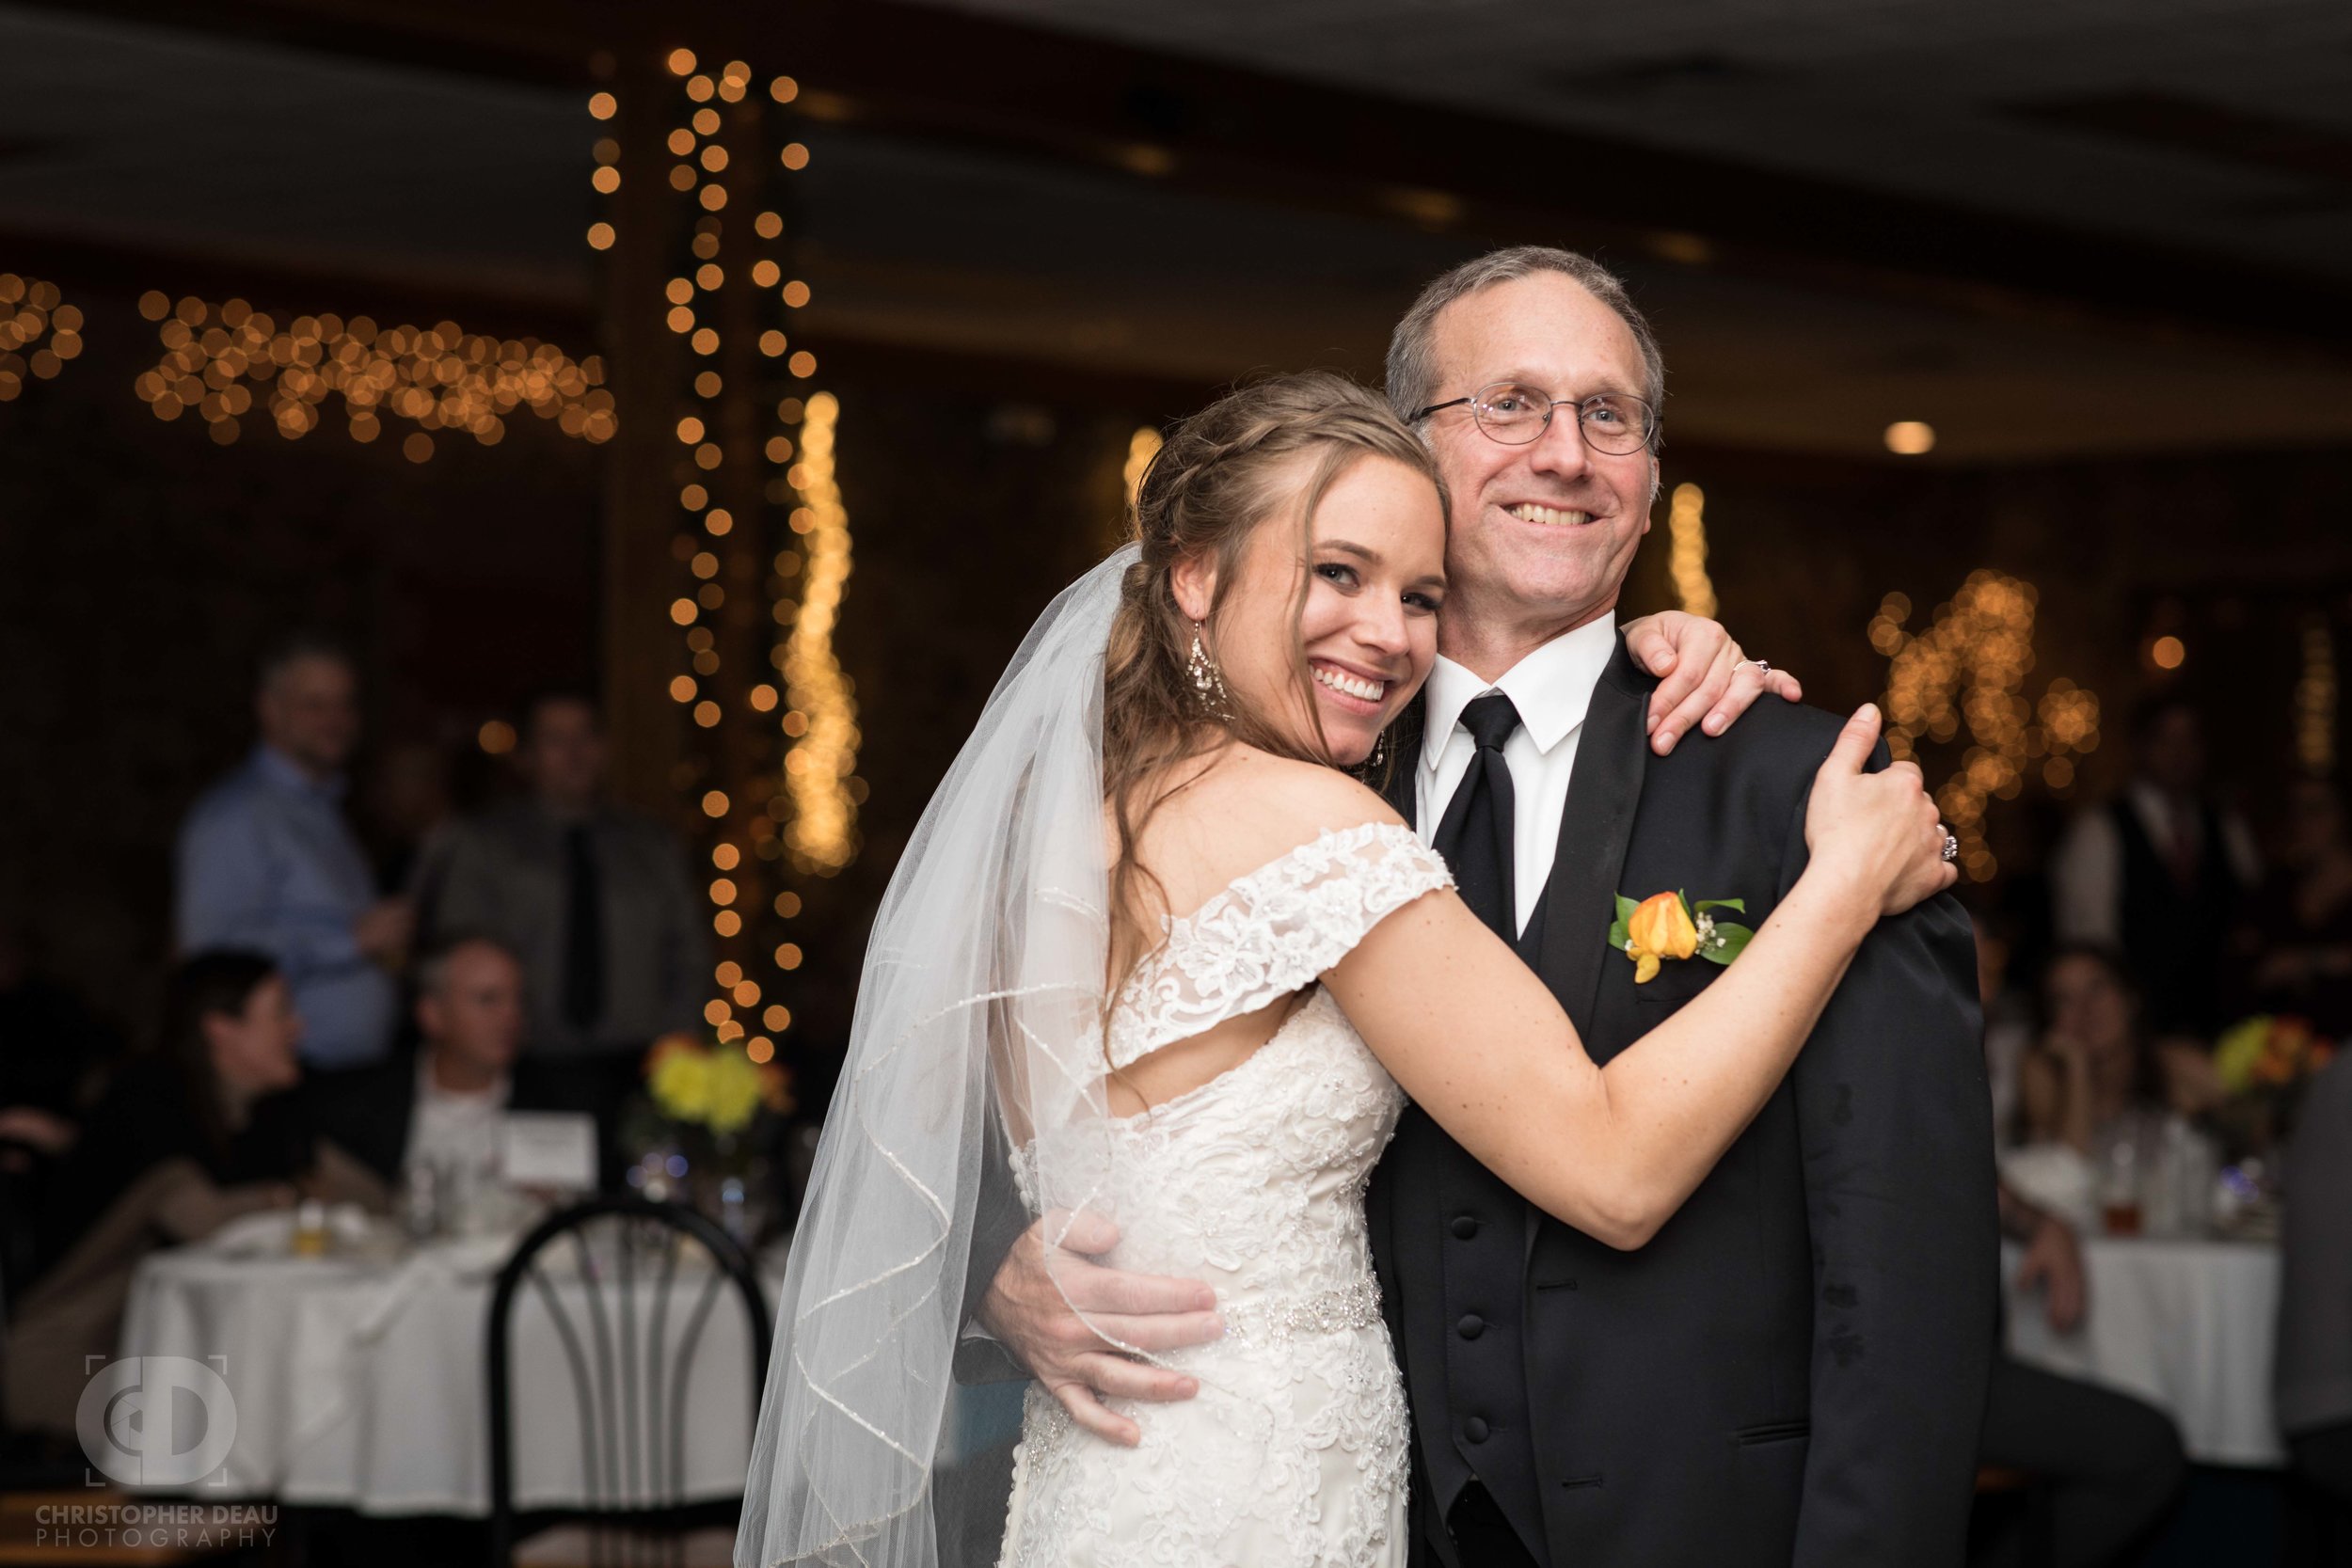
x=452 y=1130
x=1551 y=688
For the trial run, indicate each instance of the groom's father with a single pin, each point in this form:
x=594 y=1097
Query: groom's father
x=1793 y=1371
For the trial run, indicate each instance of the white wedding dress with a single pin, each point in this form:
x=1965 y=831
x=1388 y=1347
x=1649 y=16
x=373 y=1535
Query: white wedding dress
x=1294 y=1454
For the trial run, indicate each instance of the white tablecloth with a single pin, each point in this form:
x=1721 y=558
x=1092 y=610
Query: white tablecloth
x=2187 y=1326
x=363 y=1386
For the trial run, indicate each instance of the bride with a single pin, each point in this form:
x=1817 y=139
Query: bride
x=1156 y=939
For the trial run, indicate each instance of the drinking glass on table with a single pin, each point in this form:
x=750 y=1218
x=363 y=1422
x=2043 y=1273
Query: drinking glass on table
x=2180 y=1188
x=2120 y=1179
x=422 y=1201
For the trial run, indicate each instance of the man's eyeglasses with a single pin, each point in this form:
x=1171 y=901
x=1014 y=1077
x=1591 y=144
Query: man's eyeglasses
x=1612 y=422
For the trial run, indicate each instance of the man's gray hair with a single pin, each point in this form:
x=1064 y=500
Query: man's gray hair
x=1412 y=370
x=433 y=969
x=299 y=648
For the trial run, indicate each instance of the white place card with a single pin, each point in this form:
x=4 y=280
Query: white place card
x=550 y=1148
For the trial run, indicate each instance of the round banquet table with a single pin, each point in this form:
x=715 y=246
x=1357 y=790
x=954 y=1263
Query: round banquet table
x=2187 y=1325
x=361 y=1384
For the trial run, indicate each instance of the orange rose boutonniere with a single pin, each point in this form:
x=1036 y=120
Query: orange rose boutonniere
x=1667 y=926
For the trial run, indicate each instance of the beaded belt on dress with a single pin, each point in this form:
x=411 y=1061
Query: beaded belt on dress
x=1356 y=1306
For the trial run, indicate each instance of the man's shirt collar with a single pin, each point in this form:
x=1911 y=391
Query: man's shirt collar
x=1553 y=689
x=281 y=771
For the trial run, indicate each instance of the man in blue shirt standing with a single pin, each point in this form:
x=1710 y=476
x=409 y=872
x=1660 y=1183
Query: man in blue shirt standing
x=266 y=861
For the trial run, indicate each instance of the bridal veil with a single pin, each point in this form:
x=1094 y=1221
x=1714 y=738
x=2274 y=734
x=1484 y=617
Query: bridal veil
x=981 y=995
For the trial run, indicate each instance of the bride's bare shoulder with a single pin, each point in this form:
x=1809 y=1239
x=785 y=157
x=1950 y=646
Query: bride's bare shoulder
x=1289 y=786
x=1247 y=807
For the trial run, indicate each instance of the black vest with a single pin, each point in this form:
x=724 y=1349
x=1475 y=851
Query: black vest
x=1465 y=1317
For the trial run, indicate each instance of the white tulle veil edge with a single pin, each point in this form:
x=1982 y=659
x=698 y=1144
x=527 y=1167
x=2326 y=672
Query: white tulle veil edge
x=981 y=994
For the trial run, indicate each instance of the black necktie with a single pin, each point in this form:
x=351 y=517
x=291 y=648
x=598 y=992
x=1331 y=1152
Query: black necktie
x=1474 y=836
x=583 y=932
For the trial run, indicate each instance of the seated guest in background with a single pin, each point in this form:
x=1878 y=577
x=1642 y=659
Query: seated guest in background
x=445 y=1109
x=52 y=1047
x=267 y=861
x=186 y=1138
x=2113 y=1465
x=592 y=899
x=2095 y=1069
x=2157 y=874
x=2311 y=1379
x=2296 y=946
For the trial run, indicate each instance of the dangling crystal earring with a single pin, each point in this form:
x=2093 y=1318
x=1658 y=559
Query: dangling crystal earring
x=1208 y=681
x=1379 y=757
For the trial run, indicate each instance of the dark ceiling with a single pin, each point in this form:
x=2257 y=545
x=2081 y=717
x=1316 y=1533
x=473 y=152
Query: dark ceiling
x=2219 y=125
x=364 y=175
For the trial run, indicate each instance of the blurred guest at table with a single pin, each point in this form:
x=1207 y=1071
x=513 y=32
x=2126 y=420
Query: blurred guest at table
x=2296 y=943
x=2113 y=1465
x=444 y=1110
x=51 y=1046
x=187 y=1137
x=2158 y=874
x=2312 y=1380
x=267 y=861
x=2095 y=1066
x=596 y=901
x=2097 y=1095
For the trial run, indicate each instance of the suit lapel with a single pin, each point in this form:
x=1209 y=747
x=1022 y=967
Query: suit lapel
x=1604 y=791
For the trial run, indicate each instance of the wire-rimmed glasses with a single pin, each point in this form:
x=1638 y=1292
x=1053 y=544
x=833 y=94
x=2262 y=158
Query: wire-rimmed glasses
x=1613 y=422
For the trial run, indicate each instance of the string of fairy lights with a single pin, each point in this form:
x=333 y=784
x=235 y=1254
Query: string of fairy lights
x=1967 y=670
x=223 y=360
x=2315 y=693
x=1143 y=446
x=804 y=813
x=31 y=308
x=1686 y=557
x=820 y=768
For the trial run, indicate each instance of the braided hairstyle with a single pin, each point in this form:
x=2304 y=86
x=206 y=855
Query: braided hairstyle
x=1269 y=451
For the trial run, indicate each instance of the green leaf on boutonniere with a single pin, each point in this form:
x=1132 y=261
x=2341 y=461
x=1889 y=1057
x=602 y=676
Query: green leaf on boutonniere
x=1618 y=933
x=1729 y=939
x=1705 y=904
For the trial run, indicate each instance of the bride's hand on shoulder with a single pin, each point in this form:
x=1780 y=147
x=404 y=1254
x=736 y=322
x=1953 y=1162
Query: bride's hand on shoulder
x=1704 y=682
x=1877 y=832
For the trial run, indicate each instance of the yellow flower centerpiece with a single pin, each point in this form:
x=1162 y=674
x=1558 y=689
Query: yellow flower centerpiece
x=2268 y=1053
x=716 y=1086
x=711 y=1109
x=2262 y=1063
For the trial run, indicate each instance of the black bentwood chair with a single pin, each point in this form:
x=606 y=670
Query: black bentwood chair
x=630 y=1349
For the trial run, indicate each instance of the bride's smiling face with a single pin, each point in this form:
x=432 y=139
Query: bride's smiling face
x=1374 y=571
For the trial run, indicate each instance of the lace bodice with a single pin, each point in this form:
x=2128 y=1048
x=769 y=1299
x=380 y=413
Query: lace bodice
x=1293 y=1453
x=1270 y=933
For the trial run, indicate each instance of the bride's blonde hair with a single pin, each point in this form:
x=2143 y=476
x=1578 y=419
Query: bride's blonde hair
x=1220 y=476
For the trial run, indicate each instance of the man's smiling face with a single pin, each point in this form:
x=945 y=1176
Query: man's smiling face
x=1543 y=533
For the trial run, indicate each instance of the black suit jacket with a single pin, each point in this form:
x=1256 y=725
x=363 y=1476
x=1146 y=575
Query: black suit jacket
x=370 y=1110
x=1793 y=1371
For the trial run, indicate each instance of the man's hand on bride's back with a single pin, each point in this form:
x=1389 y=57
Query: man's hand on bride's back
x=1704 y=682
x=1879 y=831
x=1066 y=1318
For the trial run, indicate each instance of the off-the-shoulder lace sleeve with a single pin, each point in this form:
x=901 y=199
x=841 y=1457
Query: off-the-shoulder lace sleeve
x=1269 y=933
